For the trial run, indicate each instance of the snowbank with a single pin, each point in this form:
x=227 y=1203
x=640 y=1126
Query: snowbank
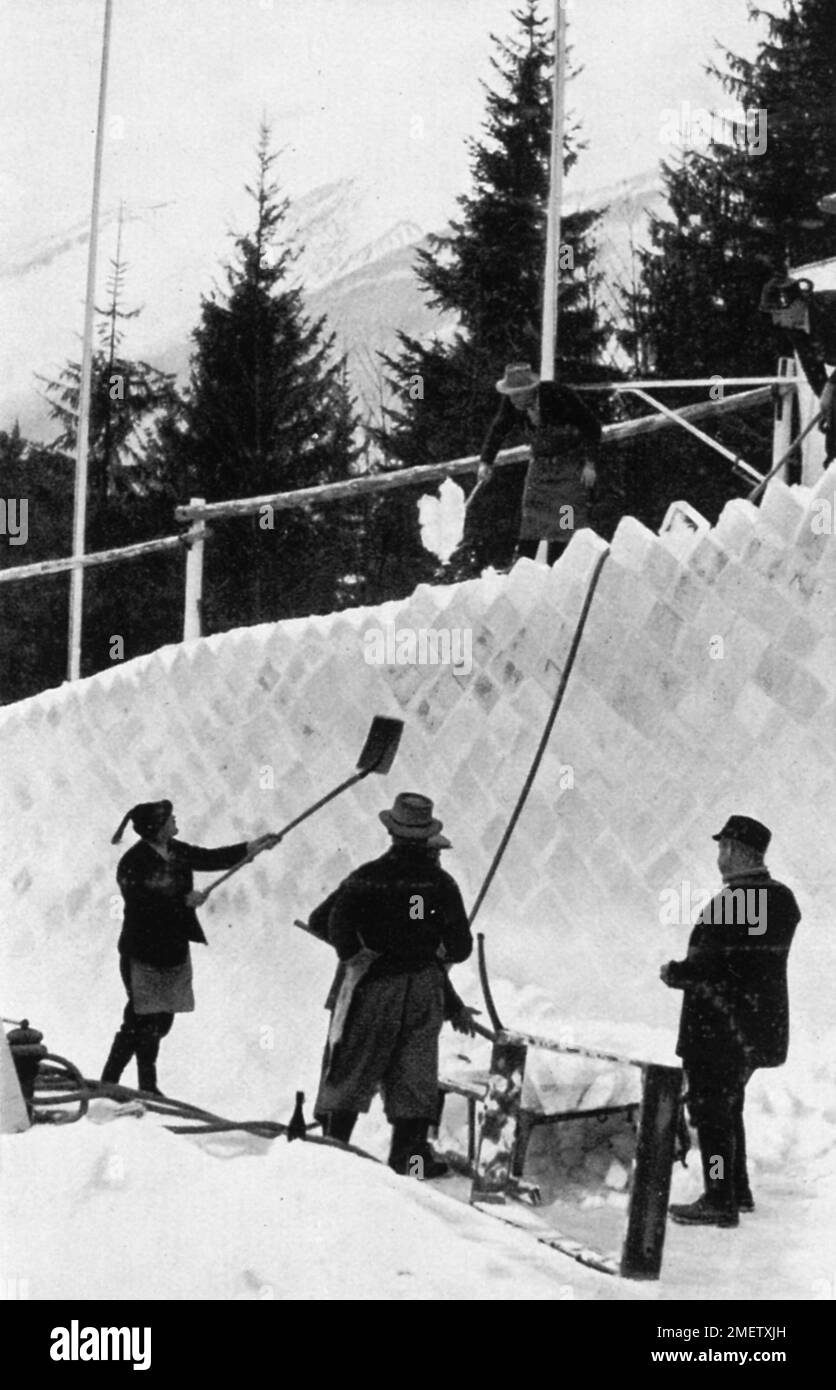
x=705 y=684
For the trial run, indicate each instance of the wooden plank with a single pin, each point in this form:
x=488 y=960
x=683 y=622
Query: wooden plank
x=476 y=1090
x=551 y=1045
x=99 y=557
x=545 y=1117
x=641 y=1256
x=523 y=1220
x=683 y=383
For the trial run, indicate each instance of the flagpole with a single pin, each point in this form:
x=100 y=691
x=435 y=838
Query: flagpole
x=548 y=342
x=80 y=498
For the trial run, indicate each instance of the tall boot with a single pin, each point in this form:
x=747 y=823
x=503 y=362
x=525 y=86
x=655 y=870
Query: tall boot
x=147 y=1049
x=121 y=1052
x=339 y=1124
x=410 y=1154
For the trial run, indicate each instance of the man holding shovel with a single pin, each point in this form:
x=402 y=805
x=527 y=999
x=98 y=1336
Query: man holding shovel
x=392 y=923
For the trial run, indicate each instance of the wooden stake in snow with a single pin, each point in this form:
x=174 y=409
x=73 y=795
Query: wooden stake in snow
x=80 y=500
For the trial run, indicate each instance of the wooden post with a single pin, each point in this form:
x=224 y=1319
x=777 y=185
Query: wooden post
x=551 y=274
x=80 y=494
x=193 y=597
x=498 y=1133
x=782 y=415
x=641 y=1257
x=551 y=277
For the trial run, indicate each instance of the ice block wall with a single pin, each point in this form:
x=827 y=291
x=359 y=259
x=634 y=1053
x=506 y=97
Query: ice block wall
x=705 y=685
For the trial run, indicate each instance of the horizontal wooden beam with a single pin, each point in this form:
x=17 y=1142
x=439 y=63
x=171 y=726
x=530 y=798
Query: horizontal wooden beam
x=511 y=1035
x=690 y=382
x=99 y=557
x=436 y=472
x=701 y=410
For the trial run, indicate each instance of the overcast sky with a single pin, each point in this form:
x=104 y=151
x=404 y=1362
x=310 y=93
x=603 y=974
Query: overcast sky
x=386 y=88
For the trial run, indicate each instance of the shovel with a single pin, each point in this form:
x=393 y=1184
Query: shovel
x=377 y=755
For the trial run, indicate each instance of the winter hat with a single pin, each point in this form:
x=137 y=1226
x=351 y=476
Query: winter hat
x=411 y=817
x=147 y=819
x=746 y=831
x=518 y=377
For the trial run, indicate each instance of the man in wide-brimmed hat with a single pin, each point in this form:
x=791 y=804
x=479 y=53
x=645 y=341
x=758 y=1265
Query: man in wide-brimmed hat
x=735 y=1012
x=395 y=922
x=564 y=437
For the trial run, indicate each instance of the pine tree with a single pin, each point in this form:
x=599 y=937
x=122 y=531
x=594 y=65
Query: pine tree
x=488 y=270
x=741 y=209
x=267 y=410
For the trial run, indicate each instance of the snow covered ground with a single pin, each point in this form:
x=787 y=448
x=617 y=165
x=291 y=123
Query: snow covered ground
x=116 y=1206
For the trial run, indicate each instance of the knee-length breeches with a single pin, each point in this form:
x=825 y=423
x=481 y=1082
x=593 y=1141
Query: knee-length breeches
x=390 y=1042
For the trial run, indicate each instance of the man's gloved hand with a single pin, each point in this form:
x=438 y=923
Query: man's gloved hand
x=195 y=898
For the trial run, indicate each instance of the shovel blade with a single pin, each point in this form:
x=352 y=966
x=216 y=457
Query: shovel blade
x=378 y=752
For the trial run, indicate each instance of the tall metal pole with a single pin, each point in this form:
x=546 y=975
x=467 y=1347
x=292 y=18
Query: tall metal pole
x=548 y=340
x=80 y=500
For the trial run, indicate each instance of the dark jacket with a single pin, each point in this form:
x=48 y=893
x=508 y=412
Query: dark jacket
x=734 y=976
x=560 y=408
x=318 y=926
x=157 y=925
x=404 y=906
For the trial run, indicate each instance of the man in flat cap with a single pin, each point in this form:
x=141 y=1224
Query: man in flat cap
x=735 y=1012
x=394 y=922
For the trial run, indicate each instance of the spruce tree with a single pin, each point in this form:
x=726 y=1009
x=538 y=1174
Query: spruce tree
x=738 y=213
x=488 y=270
x=267 y=410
